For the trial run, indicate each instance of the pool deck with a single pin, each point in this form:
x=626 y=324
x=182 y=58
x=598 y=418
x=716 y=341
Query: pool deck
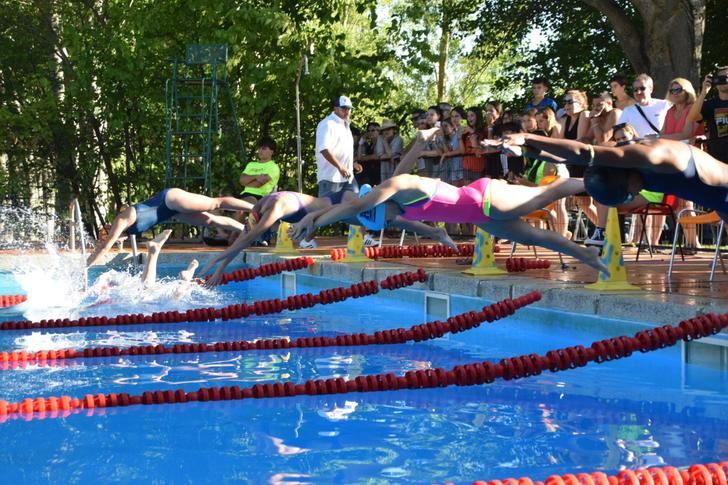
x=689 y=293
x=660 y=301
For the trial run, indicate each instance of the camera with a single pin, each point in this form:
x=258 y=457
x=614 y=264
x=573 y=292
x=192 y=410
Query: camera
x=717 y=80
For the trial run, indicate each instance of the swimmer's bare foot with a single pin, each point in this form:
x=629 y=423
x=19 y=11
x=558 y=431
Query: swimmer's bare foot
x=444 y=238
x=155 y=245
x=426 y=135
x=189 y=273
x=593 y=259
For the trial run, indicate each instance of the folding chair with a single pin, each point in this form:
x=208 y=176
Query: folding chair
x=702 y=217
x=667 y=207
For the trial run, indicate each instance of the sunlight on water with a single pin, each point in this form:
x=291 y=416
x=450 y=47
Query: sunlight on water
x=54 y=280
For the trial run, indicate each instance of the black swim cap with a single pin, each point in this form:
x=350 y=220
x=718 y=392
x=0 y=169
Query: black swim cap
x=609 y=186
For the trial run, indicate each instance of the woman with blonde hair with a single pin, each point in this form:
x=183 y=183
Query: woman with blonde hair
x=681 y=94
x=546 y=121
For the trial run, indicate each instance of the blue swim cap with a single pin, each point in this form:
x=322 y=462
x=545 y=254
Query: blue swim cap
x=373 y=218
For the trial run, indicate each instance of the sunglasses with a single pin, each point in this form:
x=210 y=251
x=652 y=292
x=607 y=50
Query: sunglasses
x=639 y=89
x=570 y=101
x=676 y=90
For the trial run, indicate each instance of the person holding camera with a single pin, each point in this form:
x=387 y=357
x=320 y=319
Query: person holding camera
x=714 y=112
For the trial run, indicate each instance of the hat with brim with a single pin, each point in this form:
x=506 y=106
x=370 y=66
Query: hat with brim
x=373 y=218
x=387 y=124
x=343 y=102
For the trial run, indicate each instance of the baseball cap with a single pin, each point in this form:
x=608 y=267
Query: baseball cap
x=374 y=218
x=342 y=102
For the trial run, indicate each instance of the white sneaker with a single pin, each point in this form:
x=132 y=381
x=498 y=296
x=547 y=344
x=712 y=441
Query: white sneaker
x=596 y=239
x=308 y=244
x=370 y=241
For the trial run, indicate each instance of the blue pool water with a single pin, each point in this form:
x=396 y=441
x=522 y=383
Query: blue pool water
x=650 y=409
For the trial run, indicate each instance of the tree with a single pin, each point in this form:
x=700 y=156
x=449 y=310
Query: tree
x=661 y=37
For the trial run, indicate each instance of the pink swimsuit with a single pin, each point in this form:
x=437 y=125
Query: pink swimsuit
x=469 y=204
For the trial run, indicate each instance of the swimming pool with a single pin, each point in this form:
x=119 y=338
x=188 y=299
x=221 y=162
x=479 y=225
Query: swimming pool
x=645 y=410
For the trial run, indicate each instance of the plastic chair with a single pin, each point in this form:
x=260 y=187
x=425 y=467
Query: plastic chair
x=702 y=217
x=669 y=205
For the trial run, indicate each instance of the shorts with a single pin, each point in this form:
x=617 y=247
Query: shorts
x=327 y=188
x=452 y=170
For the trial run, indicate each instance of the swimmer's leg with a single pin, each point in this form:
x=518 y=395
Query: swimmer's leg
x=154 y=247
x=520 y=231
x=212 y=220
x=189 y=273
x=186 y=202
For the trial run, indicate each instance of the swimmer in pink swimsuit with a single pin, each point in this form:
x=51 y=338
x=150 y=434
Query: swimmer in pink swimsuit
x=293 y=207
x=493 y=205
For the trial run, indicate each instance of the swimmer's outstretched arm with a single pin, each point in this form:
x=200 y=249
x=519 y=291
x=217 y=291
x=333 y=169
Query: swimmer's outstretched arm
x=243 y=241
x=577 y=153
x=125 y=219
x=338 y=212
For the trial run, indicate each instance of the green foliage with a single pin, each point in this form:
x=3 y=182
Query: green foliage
x=82 y=108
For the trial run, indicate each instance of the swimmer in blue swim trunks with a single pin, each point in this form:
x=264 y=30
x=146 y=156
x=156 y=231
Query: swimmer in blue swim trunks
x=615 y=175
x=293 y=207
x=193 y=209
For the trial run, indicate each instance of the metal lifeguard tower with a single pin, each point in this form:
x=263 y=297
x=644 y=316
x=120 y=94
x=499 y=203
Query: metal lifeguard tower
x=195 y=96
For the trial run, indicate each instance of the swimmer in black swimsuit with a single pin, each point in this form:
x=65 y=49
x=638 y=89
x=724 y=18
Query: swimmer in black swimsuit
x=616 y=174
x=293 y=207
x=193 y=209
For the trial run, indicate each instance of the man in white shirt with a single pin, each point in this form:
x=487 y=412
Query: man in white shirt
x=335 y=164
x=647 y=115
x=335 y=150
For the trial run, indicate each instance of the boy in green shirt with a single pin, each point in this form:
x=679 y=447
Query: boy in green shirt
x=260 y=178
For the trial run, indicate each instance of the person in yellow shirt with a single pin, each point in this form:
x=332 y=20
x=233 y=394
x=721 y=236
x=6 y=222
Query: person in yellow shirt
x=260 y=178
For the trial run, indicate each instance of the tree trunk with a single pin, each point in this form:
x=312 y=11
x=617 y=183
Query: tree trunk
x=445 y=27
x=63 y=151
x=669 y=42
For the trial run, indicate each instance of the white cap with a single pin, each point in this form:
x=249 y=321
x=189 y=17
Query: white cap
x=343 y=102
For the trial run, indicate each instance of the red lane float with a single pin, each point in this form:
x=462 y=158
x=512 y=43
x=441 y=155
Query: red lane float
x=517 y=265
x=11 y=300
x=710 y=474
x=462 y=375
x=416 y=333
x=416 y=251
x=265 y=270
x=231 y=312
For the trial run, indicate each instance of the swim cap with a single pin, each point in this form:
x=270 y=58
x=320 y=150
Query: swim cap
x=608 y=186
x=373 y=218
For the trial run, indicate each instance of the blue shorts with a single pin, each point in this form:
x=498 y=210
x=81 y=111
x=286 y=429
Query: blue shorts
x=150 y=213
x=336 y=189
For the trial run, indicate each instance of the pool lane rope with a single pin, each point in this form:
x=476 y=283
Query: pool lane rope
x=415 y=251
x=709 y=474
x=231 y=312
x=416 y=333
x=7 y=301
x=478 y=373
x=269 y=269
